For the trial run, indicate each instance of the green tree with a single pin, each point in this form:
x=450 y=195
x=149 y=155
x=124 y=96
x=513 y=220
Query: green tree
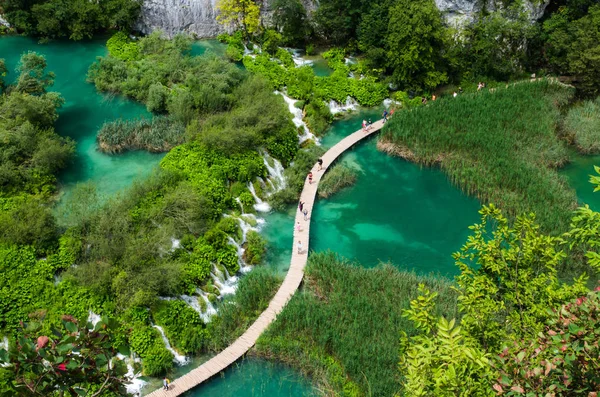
x=77 y=360
x=289 y=17
x=33 y=78
x=239 y=14
x=3 y=73
x=415 y=40
x=573 y=45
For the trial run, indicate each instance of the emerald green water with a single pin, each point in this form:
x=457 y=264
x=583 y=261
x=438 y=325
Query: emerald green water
x=578 y=173
x=84 y=111
x=396 y=211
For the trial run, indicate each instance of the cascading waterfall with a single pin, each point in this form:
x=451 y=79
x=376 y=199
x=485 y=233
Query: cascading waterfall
x=136 y=384
x=177 y=358
x=260 y=206
x=4 y=345
x=298 y=122
x=388 y=102
x=275 y=171
x=296 y=56
x=349 y=105
x=226 y=286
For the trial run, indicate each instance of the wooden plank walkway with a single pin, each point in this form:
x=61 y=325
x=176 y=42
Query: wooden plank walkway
x=289 y=286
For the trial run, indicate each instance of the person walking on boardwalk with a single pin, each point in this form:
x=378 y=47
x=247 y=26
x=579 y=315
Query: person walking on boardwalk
x=299 y=247
x=298 y=227
x=310 y=178
x=365 y=125
x=320 y=162
x=301 y=206
x=166 y=384
x=385 y=115
x=369 y=124
x=305 y=212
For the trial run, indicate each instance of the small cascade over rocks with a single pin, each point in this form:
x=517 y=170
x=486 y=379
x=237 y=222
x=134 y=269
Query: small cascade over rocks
x=297 y=57
x=136 y=384
x=177 y=358
x=298 y=122
x=226 y=285
x=192 y=301
x=275 y=171
x=260 y=206
x=389 y=102
x=348 y=106
x=4 y=345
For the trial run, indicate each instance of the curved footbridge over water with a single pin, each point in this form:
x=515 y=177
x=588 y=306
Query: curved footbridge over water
x=289 y=286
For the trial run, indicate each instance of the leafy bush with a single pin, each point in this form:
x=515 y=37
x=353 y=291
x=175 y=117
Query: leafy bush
x=256 y=247
x=182 y=325
x=146 y=341
x=120 y=47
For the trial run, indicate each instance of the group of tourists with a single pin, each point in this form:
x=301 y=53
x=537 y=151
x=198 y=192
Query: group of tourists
x=301 y=208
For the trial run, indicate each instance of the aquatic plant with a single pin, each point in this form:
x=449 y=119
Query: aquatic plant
x=500 y=146
x=336 y=178
x=343 y=327
x=582 y=123
x=159 y=134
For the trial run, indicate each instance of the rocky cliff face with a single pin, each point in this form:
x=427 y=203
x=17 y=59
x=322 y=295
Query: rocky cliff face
x=458 y=12
x=180 y=16
x=199 y=16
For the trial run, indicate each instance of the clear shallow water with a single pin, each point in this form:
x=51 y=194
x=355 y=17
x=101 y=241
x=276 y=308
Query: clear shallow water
x=84 y=112
x=397 y=211
x=578 y=173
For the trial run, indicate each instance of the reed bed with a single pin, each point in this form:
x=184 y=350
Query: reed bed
x=343 y=327
x=158 y=134
x=500 y=146
x=582 y=123
x=337 y=178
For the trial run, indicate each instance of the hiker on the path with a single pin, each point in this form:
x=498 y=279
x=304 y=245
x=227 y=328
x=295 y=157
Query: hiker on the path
x=433 y=97
x=301 y=206
x=423 y=100
x=479 y=86
x=460 y=90
x=385 y=115
x=320 y=162
x=310 y=178
x=454 y=94
x=369 y=124
x=392 y=112
x=299 y=247
x=305 y=212
x=166 y=384
x=298 y=227
x=365 y=125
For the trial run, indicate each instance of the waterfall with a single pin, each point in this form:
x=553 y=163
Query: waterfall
x=93 y=318
x=225 y=286
x=178 y=358
x=260 y=205
x=192 y=301
x=275 y=171
x=298 y=122
x=4 y=345
x=296 y=56
x=136 y=385
x=349 y=105
x=388 y=102
x=175 y=244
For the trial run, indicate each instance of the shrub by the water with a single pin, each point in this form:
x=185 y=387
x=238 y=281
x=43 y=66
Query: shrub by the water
x=159 y=134
x=583 y=124
x=500 y=146
x=336 y=178
x=343 y=328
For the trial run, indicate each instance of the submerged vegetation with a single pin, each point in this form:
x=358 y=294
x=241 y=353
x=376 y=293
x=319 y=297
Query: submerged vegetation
x=499 y=145
x=159 y=134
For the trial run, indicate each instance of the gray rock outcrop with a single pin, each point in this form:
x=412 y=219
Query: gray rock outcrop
x=198 y=17
x=459 y=12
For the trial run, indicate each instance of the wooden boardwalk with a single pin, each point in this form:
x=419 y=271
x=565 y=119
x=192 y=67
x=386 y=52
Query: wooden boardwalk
x=289 y=286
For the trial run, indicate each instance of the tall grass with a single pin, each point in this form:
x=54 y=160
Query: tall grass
x=582 y=123
x=337 y=178
x=500 y=146
x=343 y=328
x=158 y=134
